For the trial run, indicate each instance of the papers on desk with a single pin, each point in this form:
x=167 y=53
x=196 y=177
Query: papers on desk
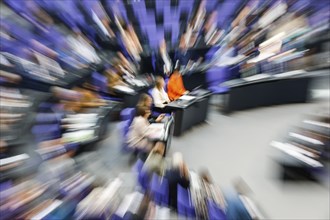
x=300 y=154
x=156 y=131
x=13 y=159
x=130 y=203
x=81 y=118
x=231 y=61
x=291 y=73
x=256 y=77
x=187 y=97
x=305 y=138
x=47 y=210
x=124 y=89
x=138 y=82
x=78 y=136
x=79 y=126
x=317 y=123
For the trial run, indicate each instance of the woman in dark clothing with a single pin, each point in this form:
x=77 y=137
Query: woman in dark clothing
x=178 y=174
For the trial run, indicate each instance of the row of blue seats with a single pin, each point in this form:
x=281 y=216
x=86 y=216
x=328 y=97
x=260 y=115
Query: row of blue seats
x=48 y=127
x=159 y=191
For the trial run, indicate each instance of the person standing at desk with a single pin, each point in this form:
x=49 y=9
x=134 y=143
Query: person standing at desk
x=158 y=93
x=175 y=87
x=163 y=62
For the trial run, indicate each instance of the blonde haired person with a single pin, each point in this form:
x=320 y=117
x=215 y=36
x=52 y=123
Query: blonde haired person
x=158 y=93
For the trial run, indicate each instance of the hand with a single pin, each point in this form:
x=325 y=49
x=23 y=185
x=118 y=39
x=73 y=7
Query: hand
x=160 y=117
x=186 y=92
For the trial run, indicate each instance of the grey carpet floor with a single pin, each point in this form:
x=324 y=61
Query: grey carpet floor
x=234 y=146
x=238 y=146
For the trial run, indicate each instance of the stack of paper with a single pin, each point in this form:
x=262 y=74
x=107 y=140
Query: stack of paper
x=124 y=89
x=187 y=97
x=156 y=131
x=296 y=154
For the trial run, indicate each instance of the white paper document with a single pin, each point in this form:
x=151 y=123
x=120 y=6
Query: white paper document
x=156 y=130
x=13 y=159
x=296 y=154
x=124 y=89
x=187 y=97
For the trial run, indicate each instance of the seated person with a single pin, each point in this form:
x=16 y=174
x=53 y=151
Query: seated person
x=175 y=87
x=139 y=132
x=212 y=190
x=89 y=99
x=158 y=93
x=177 y=174
x=145 y=101
x=155 y=163
x=77 y=99
x=202 y=189
x=114 y=79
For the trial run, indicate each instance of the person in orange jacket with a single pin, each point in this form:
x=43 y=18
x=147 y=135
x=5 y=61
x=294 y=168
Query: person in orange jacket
x=175 y=87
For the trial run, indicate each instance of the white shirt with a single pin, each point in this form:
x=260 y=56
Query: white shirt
x=159 y=97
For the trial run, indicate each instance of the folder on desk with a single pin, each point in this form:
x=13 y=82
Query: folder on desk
x=14 y=159
x=187 y=97
x=124 y=89
x=156 y=131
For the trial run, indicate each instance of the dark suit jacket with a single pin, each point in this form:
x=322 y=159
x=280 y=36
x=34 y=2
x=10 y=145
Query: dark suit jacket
x=174 y=178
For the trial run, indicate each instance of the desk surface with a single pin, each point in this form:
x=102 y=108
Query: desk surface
x=269 y=78
x=181 y=104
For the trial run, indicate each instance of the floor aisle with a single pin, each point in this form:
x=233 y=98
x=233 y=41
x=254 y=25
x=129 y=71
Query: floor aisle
x=235 y=146
x=238 y=146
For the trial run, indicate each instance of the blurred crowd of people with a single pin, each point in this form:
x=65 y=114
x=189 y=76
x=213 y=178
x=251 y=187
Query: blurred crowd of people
x=112 y=48
x=63 y=188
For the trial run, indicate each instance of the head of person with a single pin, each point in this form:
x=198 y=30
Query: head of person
x=162 y=45
x=182 y=44
x=177 y=160
x=112 y=75
x=145 y=100
x=160 y=83
x=143 y=111
x=66 y=94
x=205 y=175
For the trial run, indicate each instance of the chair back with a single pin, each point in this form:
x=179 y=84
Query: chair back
x=214 y=211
